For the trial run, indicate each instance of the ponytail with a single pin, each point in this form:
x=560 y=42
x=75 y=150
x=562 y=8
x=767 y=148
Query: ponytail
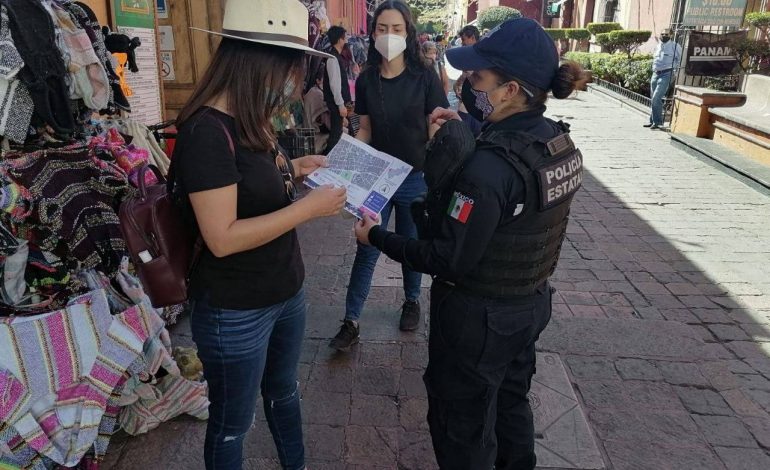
x=569 y=77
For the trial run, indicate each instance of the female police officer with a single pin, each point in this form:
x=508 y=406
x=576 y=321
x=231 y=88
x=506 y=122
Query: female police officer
x=494 y=240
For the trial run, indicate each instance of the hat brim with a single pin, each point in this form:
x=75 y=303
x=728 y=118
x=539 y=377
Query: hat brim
x=290 y=45
x=466 y=58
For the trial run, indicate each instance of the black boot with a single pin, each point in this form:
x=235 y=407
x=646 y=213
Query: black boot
x=347 y=337
x=410 y=316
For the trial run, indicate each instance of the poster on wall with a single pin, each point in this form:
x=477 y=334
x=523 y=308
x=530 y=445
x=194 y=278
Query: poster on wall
x=712 y=54
x=136 y=18
x=714 y=13
x=167 y=66
x=161 y=8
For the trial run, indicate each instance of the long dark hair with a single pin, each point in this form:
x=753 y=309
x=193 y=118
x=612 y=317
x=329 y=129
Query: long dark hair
x=412 y=55
x=252 y=76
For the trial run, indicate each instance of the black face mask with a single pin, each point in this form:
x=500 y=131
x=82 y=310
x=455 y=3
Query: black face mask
x=665 y=38
x=470 y=97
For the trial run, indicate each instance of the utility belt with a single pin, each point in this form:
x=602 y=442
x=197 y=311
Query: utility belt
x=540 y=290
x=661 y=72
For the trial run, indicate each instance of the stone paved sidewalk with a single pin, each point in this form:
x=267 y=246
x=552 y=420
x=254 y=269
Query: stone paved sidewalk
x=661 y=330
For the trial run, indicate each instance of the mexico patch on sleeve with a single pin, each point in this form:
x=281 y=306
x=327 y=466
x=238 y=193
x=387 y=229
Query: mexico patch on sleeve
x=460 y=207
x=560 y=180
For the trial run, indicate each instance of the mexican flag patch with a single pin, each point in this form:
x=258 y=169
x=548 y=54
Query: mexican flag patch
x=460 y=207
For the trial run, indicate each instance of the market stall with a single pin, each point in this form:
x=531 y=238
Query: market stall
x=82 y=350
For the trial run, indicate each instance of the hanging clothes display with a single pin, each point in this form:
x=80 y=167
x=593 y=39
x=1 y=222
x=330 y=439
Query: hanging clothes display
x=82 y=350
x=43 y=73
x=16 y=105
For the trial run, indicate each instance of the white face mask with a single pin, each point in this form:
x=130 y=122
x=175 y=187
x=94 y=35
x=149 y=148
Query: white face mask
x=390 y=45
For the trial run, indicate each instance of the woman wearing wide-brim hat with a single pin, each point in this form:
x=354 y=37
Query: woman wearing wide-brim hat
x=248 y=306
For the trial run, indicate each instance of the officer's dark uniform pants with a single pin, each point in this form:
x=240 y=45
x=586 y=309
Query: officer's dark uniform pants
x=481 y=362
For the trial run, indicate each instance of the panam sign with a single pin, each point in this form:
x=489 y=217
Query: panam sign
x=714 y=13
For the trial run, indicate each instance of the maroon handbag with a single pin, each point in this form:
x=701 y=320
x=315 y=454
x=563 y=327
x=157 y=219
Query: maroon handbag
x=160 y=245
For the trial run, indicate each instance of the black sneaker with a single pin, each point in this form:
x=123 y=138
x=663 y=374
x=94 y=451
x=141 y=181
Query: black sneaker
x=347 y=337
x=649 y=124
x=410 y=316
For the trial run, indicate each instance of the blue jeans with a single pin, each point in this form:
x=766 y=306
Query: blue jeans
x=241 y=351
x=366 y=256
x=658 y=90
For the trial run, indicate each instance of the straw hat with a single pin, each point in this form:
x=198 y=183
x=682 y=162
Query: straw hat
x=282 y=23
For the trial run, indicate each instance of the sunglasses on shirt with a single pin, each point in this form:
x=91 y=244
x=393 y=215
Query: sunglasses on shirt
x=282 y=163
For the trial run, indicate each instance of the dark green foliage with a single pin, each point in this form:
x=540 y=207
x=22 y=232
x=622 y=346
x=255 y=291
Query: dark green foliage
x=599 y=28
x=494 y=16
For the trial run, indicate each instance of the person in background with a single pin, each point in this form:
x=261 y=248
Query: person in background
x=317 y=112
x=665 y=59
x=493 y=240
x=429 y=51
x=238 y=191
x=395 y=95
x=468 y=37
x=441 y=47
x=336 y=88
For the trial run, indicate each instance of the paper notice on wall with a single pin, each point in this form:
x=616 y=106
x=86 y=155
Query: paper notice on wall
x=166 y=34
x=145 y=102
x=167 y=72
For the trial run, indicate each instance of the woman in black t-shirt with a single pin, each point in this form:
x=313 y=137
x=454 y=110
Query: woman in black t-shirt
x=248 y=307
x=395 y=94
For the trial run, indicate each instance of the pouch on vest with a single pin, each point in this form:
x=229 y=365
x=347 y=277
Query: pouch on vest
x=445 y=156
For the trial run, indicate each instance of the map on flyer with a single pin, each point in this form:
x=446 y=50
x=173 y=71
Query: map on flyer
x=370 y=176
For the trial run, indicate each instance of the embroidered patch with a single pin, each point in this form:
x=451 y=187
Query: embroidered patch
x=460 y=207
x=560 y=180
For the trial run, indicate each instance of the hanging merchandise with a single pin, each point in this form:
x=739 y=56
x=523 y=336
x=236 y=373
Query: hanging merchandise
x=73 y=204
x=88 y=79
x=122 y=49
x=44 y=74
x=16 y=105
x=144 y=138
x=83 y=351
x=129 y=157
x=90 y=23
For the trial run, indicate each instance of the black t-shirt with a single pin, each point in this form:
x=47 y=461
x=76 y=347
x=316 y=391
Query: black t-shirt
x=264 y=276
x=398 y=109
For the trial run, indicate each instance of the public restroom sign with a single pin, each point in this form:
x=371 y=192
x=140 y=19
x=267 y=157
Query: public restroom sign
x=712 y=54
x=714 y=13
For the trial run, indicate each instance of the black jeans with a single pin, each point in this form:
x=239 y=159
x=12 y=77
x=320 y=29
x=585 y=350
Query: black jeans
x=480 y=367
x=335 y=121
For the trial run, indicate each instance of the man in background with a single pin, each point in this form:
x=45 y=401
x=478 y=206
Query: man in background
x=666 y=57
x=336 y=88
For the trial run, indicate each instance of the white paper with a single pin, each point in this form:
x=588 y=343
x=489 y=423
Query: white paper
x=145 y=103
x=370 y=176
x=166 y=34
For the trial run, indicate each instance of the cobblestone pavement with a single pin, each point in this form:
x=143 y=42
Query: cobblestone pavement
x=661 y=323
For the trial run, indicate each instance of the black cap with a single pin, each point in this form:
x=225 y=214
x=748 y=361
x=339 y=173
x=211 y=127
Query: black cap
x=520 y=47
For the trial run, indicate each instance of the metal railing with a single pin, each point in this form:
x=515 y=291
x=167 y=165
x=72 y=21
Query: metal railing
x=625 y=93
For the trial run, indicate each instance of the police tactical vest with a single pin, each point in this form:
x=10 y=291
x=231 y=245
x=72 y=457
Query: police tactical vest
x=523 y=252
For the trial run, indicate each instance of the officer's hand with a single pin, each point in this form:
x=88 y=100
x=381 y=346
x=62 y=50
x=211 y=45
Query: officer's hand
x=441 y=115
x=363 y=227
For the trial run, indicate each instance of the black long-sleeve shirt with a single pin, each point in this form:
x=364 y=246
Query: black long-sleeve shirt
x=494 y=190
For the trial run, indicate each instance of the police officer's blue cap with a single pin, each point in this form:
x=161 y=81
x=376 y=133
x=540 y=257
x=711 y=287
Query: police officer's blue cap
x=520 y=47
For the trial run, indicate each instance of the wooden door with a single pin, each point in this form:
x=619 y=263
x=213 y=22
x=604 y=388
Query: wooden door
x=192 y=49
